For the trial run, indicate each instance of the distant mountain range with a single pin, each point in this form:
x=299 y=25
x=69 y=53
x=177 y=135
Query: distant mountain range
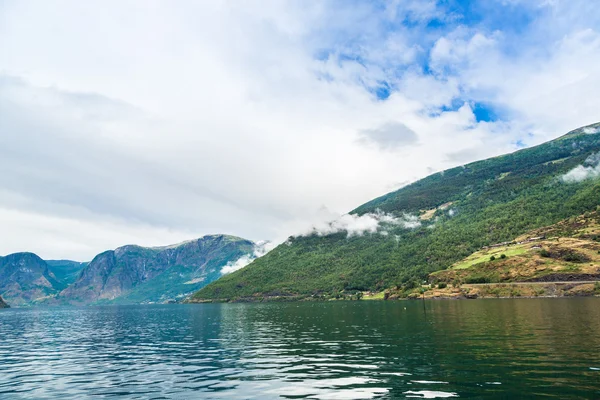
x=392 y=243
x=128 y=274
x=395 y=241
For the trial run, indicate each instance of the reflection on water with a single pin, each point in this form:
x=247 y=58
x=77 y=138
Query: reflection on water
x=335 y=350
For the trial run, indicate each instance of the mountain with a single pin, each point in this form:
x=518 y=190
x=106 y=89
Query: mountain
x=66 y=271
x=25 y=277
x=428 y=225
x=129 y=274
x=135 y=274
x=3 y=304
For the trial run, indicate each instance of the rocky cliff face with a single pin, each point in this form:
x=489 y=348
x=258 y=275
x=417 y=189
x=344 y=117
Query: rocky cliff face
x=129 y=274
x=135 y=274
x=3 y=304
x=24 y=277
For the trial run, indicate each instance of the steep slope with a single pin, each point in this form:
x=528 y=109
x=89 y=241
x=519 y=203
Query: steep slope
x=135 y=274
x=460 y=210
x=3 y=303
x=24 y=277
x=566 y=251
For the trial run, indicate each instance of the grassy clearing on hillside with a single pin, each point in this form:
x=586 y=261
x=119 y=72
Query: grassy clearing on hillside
x=565 y=251
x=512 y=290
x=374 y=296
x=485 y=255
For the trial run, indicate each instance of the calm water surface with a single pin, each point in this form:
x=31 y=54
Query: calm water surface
x=528 y=348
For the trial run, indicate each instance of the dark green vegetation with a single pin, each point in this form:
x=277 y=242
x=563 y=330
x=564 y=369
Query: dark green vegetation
x=3 y=303
x=462 y=210
x=129 y=274
x=135 y=274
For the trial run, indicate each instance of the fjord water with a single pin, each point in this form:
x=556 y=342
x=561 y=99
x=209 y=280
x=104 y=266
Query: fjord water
x=521 y=348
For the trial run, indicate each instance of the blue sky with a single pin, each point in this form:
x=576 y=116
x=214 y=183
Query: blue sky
x=520 y=28
x=155 y=122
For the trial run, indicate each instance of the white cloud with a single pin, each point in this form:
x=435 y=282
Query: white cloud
x=461 y=49
x=260 y=250
x=358 y=225
x=234 y=266
x=590 y=170
x=56 y=236
x=536 y=90
x=581 y=173
x=245 y=118
x=327 y=223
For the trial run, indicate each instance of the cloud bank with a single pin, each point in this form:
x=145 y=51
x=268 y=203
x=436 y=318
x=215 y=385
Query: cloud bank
x=353 y=225
x=358 y=225
x=389 y=136
x=589 y=170
x=250 y=131
x=260 y=250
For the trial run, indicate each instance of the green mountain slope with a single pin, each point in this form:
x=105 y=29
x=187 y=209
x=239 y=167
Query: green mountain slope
x=460 y=211
x=3 y=303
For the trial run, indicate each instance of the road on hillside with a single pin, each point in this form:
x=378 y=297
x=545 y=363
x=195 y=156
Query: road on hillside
x=530 y=283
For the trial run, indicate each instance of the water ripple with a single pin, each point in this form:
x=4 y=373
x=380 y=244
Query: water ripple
x=492 y=349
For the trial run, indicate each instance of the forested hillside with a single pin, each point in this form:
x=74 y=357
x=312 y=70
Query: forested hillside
x=459 y=211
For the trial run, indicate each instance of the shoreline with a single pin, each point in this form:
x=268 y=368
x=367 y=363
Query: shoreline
x=504 y=290
x=519 y=290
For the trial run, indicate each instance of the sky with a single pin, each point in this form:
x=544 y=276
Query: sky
x=153 y=122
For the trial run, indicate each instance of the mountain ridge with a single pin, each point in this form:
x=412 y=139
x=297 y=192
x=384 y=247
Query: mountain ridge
x=24 y=277
x=127 y=274
x=489 y=201
x=122 y=274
